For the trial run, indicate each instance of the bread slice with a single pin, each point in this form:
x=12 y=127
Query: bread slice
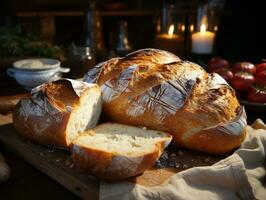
x=113 y=151
x=57 y=112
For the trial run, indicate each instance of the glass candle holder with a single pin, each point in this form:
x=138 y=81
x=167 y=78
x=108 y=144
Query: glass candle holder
x=123 y=46
x=93 y=36
x=204 y=26
x=170 y=29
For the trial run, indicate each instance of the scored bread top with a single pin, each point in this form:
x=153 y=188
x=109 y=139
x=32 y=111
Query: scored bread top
x=145 y=57
x=139 y=83
x=158 y=90
x=119 y=139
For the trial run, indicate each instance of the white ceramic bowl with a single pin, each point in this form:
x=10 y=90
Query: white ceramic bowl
x=33 y=72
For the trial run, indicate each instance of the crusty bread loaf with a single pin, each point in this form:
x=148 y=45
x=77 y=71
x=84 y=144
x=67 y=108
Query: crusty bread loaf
x=114 y=151
x=57 y=112
x=154 y=88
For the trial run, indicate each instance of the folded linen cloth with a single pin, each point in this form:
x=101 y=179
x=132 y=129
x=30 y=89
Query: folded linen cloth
x=240 y=176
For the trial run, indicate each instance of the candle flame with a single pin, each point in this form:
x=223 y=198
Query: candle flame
x=183 y=28
x=171 y=30
x=191 y=28
x=203 y=28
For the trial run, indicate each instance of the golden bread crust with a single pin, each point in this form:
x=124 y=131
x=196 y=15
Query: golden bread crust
x=44 y=116
x=177 y=97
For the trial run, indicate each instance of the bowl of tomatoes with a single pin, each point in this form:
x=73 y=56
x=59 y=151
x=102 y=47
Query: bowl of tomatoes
x=247 y=79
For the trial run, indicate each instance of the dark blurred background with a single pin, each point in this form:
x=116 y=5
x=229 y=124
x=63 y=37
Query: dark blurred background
x=242 y=31
x=241 y=35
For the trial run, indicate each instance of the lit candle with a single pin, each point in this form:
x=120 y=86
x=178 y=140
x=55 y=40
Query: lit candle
x=170 y=41
x=202 y=42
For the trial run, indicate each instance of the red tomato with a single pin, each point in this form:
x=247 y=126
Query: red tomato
x=244 y=67
x=226 y=73
x=242 y=81
x=216 y=63
x=260 y=78
x=260 y=67
x=256 y=95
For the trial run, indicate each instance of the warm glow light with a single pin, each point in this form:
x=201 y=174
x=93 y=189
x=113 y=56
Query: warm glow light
x=215 y=28
x=183 y=28
x=202 y=42
x=191 y=28
x=203 y=28
x=171 y=30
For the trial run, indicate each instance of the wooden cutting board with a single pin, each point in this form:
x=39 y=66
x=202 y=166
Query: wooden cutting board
x=58 y=164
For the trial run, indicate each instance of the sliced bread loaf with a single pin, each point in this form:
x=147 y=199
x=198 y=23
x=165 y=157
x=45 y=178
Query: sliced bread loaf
x=57 y=112
x=114 y=151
